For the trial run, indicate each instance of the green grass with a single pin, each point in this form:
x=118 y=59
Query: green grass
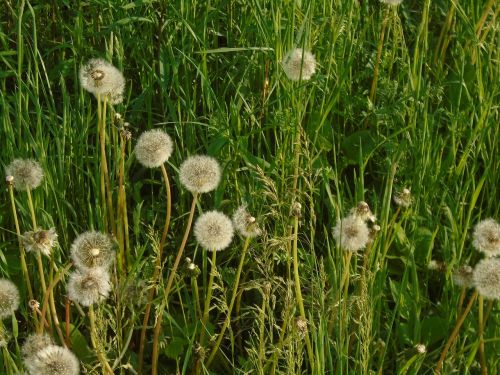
x=197 y=69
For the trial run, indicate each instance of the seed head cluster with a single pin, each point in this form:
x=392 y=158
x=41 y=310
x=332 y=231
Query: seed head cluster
x=200 y=174
x=53 y=360
x=40 y=240
x=486 y=237
x=9 y=298
x=34 y=343
x=244 y=223
x=93 y=249
x=486 y=278
x=213 y=230
x=101 y=78
x=89 y=286
x=351 y=233
x=299 y=64
x=153 y=148
x=403 y=198
x=463 y=276
x=27 y=173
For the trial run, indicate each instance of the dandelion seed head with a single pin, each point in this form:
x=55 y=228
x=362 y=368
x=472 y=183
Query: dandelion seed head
x=391 y=2
x=463 y=276
x=436 y=265
x=9 y=298
x=421 y=349
x=486 y=237
x=351 y=233
x=153 y=148
x=53 y=360
x=296 y=209
x=40 y=240
x=363 y=211
x=34 y=343
x=99 y=77
x=89 y=286
x=26 y=173
x=213 y=230
x=93 y=249
x=403 y=198
x=486 y=278
x=299 y=64
x=244 y=223
x=200 y=174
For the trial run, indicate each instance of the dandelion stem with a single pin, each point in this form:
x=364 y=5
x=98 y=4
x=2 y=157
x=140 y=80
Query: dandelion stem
x=454 y=334
x=231 y=304
x=208 y=298
x=107 y=370
x=298 y=292
x=32 y=208
x=158 y=323
x=102 y=179
x=343 y=281
x=104 y=166
x=482 y=358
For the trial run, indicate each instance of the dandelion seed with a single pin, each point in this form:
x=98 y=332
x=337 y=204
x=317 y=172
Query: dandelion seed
x=403 y=198
x=153 y=148
x=93 y=249
x=363 y=211
x=391 y=2
x=9 y=298
x=421 y=349
x=99 y=77
x=40 y=240
x=213 y=230
x=26 y=173
x=34 y=343
x=374 y=229
x=436 y=265
x=351 y=233
x=486 y=278
x=244 y=223
x=53 y=360
x=200 y=174
x=486 y=237
x=463 y=277
x=89 y=286
x=299 y=64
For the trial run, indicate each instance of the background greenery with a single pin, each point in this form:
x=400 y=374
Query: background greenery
x=209 y=74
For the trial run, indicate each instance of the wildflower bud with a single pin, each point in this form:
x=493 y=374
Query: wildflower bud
x=9 y=298
x=486 y=237
x=420 y=348
x=296 y=210
x=244 y=223
x=191 y=269
x=34 y=304
x=403 y=198
x=213 y=230
x=463 y=276
x=27 y=173
x=299 y=64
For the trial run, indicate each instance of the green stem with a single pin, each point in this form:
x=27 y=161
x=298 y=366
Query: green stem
x=208 y=298
x=231 y=304
x=482 y=358
x=105 y=171
x=298 y=292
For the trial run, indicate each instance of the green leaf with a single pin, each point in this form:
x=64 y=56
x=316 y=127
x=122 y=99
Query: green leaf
x=176 y=347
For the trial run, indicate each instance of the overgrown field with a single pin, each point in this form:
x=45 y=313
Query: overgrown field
x=399 y=110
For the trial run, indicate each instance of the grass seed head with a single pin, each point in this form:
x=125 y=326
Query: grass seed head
x=89 y=286
x=153 y=148
x=9 y=298
x=213 y=230
x=26 y=173
x=244 y=223
x=99 y=77
x=486 y=278
x=34 y=343
x=463 y=276
x=486 y=237
x=40 y=240
x=299 y=64
x=53 y=360
x=200 y=174
x=93 y=249
x=351 y=233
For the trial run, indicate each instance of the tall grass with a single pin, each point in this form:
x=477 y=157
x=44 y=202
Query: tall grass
x=209 y=74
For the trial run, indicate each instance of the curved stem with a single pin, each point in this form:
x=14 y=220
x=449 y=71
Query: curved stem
x=161 y=310
x=454 y=334
x=107 y=370
x=231 y=304
x=298 y=291
x=157 y=270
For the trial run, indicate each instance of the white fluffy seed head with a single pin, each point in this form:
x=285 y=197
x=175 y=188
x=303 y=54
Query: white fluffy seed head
x=27 y=173
x=391 y=2
x=53 y=360
x=213 y=230
x=99 y=77
x=9 y=298
x=34 y=343
x=93 y=249
x=40 y=240
x=351 y=233
x=463 y=276
x=486 y=237
x=486 y=278
x=244 y=223
x=403 y=198
x=200 y=174
x=89 y=286
x=153 y=148
x=299 y=64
